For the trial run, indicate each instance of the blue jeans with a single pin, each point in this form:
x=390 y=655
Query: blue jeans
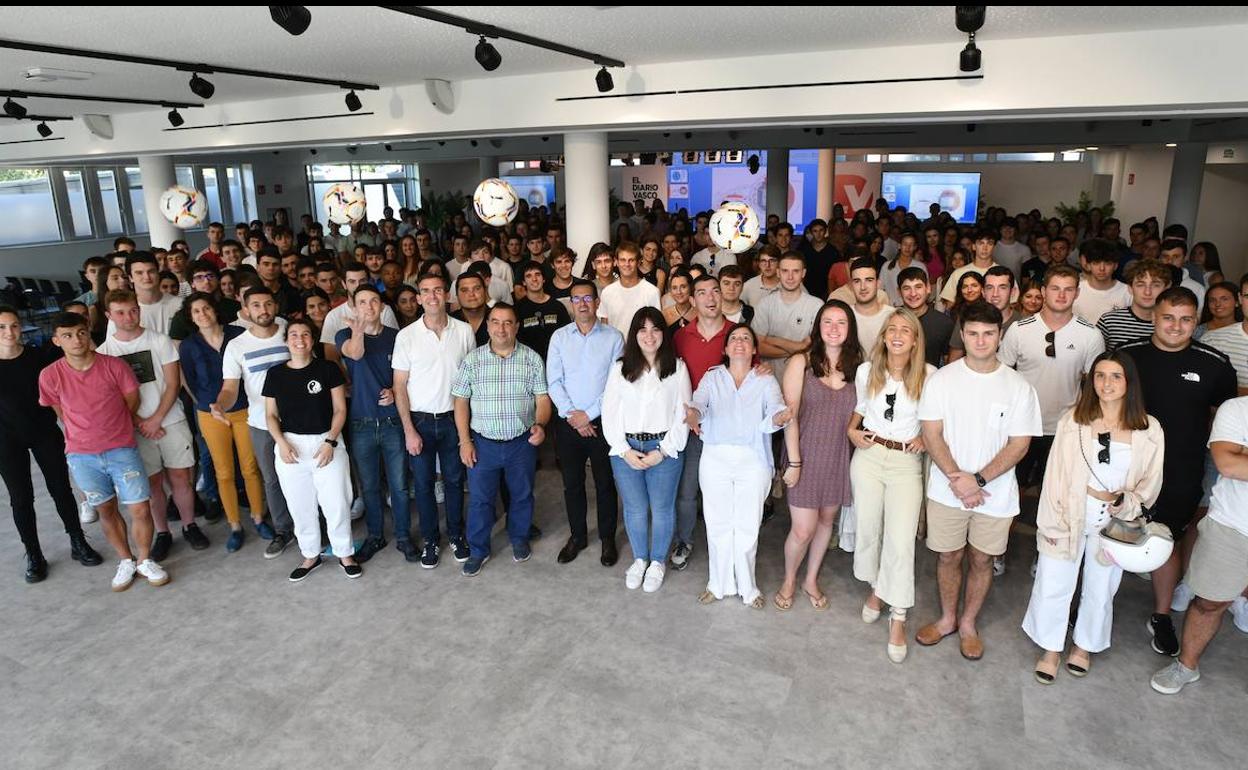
x=516 y=462
x=115 y=473
x=384 y=437
x=649 y=498
x=439 y=441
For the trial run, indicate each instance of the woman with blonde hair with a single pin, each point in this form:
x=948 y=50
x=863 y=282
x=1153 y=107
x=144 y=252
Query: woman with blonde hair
x=886 y=472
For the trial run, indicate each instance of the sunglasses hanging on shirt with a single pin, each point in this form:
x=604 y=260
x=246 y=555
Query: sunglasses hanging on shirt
x=1051 y=340
x=890 y=402
x=1102 y=456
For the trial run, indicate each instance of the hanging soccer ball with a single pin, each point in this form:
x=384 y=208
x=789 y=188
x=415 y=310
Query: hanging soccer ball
x=734 y=227
x=345 y=204
x=495 y=202
x=185 y=207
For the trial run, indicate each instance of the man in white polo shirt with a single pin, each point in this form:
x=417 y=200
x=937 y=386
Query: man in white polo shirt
x=1218 y=573
x=622 y=299
x=427 y=353
x=978 y=417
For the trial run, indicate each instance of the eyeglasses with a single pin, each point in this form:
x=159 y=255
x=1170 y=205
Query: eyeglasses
x=202 y=276
x=890 y=402
x=1051 y=350
x=582 y=299
x=1102 y=456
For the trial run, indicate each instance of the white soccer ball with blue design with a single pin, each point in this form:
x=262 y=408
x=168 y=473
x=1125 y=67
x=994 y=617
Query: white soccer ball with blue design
x=185 y=207
x=734 y=227
x=495 y=202
x=345 y=204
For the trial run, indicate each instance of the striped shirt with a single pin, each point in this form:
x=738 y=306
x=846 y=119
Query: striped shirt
x=249 y=358
x=1233 y=341
x=502 y=391
x=1120 y=326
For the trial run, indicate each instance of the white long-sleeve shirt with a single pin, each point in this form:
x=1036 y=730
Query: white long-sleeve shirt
x=739 y=416
x=649 y=405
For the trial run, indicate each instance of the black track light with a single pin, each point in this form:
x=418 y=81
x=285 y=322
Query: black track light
x=753 y=164
x=969 y=18
x=175 y=119
x=44 y=130
x=970 y=60
x=473 y=142
x=292 y=18
x=688 y=134
x=604 y=81
x=487 y=55
x=201 y=88
x=353 y=101
x=13 y=109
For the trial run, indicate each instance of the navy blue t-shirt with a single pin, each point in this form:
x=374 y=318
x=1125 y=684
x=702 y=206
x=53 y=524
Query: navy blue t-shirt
x=370 y=374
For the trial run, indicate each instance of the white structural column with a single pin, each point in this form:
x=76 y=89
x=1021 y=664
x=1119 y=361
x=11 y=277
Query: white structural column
x=826 y=195
x=157 y=174
x=1185 y=181
x=778 y=183
x=587 y=192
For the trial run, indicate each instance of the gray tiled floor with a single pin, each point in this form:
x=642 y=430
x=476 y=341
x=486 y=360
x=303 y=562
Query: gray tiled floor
x=540 y=665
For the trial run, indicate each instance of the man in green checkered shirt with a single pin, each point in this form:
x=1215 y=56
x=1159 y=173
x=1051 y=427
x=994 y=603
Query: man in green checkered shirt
x=501 y=411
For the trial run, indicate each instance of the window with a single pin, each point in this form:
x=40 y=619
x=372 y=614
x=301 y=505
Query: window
x=29 y=210
x=1014 y=157
x=918 y=158
x=138 y=209
x=107 y=180
x=238 y=199
x=213 y=193
x=393 y=185
x=78 y=209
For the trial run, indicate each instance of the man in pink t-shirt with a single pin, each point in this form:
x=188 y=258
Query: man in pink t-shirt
x=96 y=397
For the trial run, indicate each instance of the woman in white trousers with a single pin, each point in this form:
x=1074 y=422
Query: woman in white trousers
x=306 y=408
x=887 y=472
x=1106 y=461
x=735 y=411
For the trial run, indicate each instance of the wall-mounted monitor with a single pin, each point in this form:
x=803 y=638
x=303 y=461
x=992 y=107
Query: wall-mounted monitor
x=957 y=194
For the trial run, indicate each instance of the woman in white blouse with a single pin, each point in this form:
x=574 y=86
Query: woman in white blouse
x=735 y=411
x=643 y=413
x=887 y=471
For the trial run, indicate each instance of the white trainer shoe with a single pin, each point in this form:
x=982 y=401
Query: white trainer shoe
x=125 y=574
x=654 y=577
x=1182 y=598
x=635 y=574
x=1239 y=613
x=87 y=514
x=155 y=574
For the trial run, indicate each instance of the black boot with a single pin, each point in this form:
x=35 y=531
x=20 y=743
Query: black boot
x=82 y=552
x=36 y=567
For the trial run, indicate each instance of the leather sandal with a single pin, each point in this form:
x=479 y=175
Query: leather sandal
x=1046 y=672
x=819 y=602
x=929 y=635
x=1078 y=662
x=971 y=647
x=706 y=597
x=782 y=602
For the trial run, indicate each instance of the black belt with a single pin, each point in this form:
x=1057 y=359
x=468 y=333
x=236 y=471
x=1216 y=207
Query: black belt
x=431 y=415
x=646 y=436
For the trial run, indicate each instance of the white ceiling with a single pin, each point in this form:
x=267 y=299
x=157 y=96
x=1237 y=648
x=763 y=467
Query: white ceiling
x=372 y=45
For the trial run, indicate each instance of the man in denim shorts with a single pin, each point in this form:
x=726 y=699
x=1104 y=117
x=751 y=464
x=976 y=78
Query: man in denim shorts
x=96 y=396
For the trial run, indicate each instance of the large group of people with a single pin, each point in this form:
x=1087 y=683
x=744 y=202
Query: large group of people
x=894 y=378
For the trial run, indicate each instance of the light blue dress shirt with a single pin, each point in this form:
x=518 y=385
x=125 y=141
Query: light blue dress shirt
x=577 y=367
x=739 y=416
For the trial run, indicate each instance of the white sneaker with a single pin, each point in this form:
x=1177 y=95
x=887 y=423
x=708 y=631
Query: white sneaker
x=87 y=514
x=998 y=566
x=125 y=575
x=439 y=491
x=357 y=508
x=1182 y=597
x=155 y=574
x=633 y=578
x=1239 y=613
x=654 y=577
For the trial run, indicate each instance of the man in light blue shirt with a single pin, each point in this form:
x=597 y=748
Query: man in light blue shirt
x=577 y=365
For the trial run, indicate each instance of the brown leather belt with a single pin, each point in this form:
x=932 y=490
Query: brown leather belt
x=900 y=447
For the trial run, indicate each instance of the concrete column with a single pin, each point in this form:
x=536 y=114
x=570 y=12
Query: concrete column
x=1186 y=178
x=826 y=195
x=586 y=192
x=778 y=183
x=157 y=174
x=487 y=167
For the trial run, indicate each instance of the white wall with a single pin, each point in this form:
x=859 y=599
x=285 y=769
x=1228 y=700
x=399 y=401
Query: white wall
x=1019 y=187
x=449 y=177
x=1146 y=187
x=1223 y=200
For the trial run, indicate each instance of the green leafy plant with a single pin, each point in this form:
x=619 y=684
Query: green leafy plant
x=440 y=207
x=1067 y=212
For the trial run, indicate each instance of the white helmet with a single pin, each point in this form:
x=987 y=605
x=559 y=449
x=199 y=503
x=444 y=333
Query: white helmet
x=1135 y=546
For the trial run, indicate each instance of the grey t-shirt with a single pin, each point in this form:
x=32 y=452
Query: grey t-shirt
x=791 y=321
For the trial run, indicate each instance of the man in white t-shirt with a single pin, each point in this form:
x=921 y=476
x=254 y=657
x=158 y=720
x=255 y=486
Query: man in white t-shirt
x=156 y=309
x=783 y=320
x=163 y=437
x=459 y=257
x=985 y=242
x=1100 y=292
x=713 y=258
x=1008 y=251
x=355 y=274
x=247 y=359
x=768 y=279
x=1218 y=573
x=622 y=299
x=978 y=418
x=869 y=313
x=1233 y=341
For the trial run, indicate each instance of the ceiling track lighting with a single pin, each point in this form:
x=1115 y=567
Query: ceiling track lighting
x=201 y=87
x=13 y=109
x=292 y=18
x=487 y=55
x=175 y=119
x=970 y=19
x=44 y=130
x=604 y=80
x=353 y=101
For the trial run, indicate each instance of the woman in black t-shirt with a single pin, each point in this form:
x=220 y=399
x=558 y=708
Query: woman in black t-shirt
x=305 y=403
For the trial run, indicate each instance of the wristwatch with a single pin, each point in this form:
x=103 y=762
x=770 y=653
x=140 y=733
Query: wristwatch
x=334 y=443
x=980 y=481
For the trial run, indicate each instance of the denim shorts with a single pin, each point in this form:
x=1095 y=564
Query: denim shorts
x=116 y=473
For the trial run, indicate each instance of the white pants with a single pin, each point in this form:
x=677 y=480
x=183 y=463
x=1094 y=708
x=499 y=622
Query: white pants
x=888 y=491
x=734 y=486
x=1048 y=614
x=306 y=486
